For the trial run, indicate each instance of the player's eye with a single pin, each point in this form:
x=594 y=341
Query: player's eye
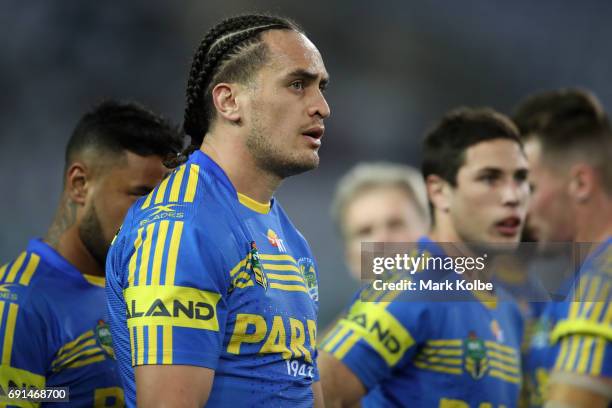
x=297 y=85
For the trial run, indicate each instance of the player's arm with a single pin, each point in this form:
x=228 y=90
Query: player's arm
x=173 y=386
x=341 y=387
x=317 y=393
x=354 y=358
x=579 y=391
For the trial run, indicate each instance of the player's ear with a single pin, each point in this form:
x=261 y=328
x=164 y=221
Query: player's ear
x=77 y=182
x=582 y=182
x=225 y=99
x=438 y=192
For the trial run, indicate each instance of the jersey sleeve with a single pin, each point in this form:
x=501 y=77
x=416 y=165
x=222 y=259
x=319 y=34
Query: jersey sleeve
x=25 y=355
x=374 y=338
x=584 y=332
x=175 y=295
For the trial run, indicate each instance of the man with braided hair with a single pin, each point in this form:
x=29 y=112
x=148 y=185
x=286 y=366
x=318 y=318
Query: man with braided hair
x=219 y=287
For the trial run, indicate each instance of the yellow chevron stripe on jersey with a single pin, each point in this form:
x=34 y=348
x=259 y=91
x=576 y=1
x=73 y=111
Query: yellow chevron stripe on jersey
x=562 y=356
x=139 y=344
x=288 y=288
x=159 y=252
x=439 y=368
x=152 y=352
x=442 y=351
x=26 y=276
x=175 y=241
x=573 y=353
x=3 y=271
x=145 y=255
x=499 y=347
x=281 y=267
x=99 y=281
x=10 y=278
x=447 y=343
x=91 y=360
x=436 y=359
x=78 y=359
x=505 y=367
x=585 y=354
x=505 y=377
x=333 y=338
x=292 y=278
x=147 y=200
x=601 y=301
x=192 y=182
x=66 y=348
x=134 y=257
x=64 y=357
x=502 y=357
x=167 y=344
x=598 y=356
x=177 y=180
x=161 y=191
x=9 y=333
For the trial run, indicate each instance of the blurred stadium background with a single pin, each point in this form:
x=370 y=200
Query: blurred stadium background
x=395 y=68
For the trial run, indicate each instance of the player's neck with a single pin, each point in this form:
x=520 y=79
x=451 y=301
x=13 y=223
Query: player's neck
x=240 y=167
x=63 y=236
x=594 y=224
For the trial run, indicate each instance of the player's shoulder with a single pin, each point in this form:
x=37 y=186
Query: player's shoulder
x=29 y=280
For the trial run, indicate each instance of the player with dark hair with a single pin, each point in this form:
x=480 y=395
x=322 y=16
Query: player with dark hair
x=403 y=350
x=52 y=299
x=569 y=146
x=217 y=282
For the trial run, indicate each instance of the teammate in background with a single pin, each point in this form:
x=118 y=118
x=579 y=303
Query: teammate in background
x=224 y=287
x=379 y=202
x=443 y=354
x=569 y=146
x=52 y=300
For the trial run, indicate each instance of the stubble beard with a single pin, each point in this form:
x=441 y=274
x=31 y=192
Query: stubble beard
x=92 y=236
x=270 y=158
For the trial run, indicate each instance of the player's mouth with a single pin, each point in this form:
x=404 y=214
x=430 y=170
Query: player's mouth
x=314 y=135
x=509 y=226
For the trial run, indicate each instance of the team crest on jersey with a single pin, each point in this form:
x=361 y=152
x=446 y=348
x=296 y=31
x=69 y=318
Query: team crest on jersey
x=307 y=270
x=103 y=338
x=256 y=267
x=475 y=352
x=275 y=241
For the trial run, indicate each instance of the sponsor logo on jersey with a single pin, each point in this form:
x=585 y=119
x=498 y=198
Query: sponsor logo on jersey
x=163 y=212
x=476 y=361
x=103 y=338
x=171 y=305
x=276 y=242
x=307 y=270
x=256 y=267
x=6 y=292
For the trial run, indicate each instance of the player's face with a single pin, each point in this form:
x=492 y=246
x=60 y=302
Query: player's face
x=111 y=194
x=489 y=202
x=286 y=108
x=380 y=214
x=550 y=215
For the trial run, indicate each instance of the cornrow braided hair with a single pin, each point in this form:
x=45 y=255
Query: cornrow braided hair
x=230 y=52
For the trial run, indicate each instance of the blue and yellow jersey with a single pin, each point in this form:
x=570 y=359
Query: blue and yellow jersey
x=576 y=335
x=53 y=332
x=201 y=275
x=431 y=353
